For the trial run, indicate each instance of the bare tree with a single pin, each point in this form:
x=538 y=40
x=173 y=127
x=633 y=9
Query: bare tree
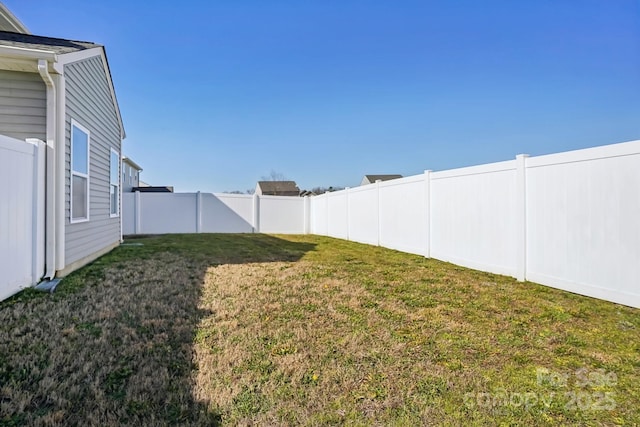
x=274 y=176
x=322 y=190
x=277 y=178
x=248 y=191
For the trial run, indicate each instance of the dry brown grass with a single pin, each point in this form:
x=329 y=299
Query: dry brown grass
x=107 y=353
x=305 y=330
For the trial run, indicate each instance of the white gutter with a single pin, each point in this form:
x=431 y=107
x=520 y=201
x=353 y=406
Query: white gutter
x=61 y=169
x=50 y=234
x=26 y=53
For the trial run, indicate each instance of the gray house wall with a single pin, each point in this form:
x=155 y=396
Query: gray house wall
x=23 y=105
x=130 y=178
x=89 y=102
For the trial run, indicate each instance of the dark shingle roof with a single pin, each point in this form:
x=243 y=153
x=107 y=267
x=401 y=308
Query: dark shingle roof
x=279 y=188
x=153 y=189
x=374 y=178
x=50 y=44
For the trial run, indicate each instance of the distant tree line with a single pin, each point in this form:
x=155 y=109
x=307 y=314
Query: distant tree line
x=322 y=190
x=314 y=190
x=249 y=191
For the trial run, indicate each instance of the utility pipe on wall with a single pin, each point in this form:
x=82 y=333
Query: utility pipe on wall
x=61 y=168
x=50 y=223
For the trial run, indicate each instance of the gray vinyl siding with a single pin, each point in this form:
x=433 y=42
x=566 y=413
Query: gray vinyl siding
x=129 y=178
x=126 y=170
x=89 y=103
x=23 y=105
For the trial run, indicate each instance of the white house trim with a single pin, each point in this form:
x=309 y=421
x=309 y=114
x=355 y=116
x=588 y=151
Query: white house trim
x=11 y=20
x=117 y=163
x=22 y=52
x=86 y=175
x=61 y=169
x=51 y=232
x=80 y=55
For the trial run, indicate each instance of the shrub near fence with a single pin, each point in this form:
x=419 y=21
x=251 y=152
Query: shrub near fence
x=567 y=220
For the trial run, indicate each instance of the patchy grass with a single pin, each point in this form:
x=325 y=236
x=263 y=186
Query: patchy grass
x=282 y=330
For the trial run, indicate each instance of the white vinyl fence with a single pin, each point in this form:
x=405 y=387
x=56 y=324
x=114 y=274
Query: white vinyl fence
x=568 y=220
x=159 y=213
x=22 y=174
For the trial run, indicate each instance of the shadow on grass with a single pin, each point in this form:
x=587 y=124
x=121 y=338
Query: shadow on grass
x=114 y=344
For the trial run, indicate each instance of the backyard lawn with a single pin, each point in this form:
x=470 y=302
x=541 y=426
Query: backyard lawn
x=308 y=330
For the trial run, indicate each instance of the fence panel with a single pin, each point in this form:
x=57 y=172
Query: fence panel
x=280 y=214
x=363 y=214
x=226 y=213
x=337 y=215
x=167 y=213
x=318 y=213
x=128 y=214
x=473 y=217
x=403 y=214
x=21 y=214
x=583 y=227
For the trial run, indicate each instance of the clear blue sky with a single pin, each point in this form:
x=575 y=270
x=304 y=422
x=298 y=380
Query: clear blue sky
x=215 y=94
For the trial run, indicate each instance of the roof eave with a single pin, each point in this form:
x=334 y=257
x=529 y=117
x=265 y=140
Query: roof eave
x=112 y=88
x=26 y=53
x=132 y=163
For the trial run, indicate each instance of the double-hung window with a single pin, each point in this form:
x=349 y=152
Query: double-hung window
x=80 y=145
x=114 y=184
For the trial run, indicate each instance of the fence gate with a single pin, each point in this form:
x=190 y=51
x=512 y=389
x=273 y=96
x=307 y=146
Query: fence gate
x=22 y=192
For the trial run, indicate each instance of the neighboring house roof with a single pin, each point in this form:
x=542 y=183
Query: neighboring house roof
x=132 y=164
x=59 y=52
x=374 y=178
x=9 y=22
x=278 y=188
x=153 y=189
x=370 y=179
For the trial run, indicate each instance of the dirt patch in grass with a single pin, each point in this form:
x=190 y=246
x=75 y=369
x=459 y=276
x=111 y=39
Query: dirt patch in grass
x=289 y=330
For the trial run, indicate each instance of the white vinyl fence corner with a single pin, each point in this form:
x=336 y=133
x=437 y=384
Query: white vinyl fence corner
x=22 y=181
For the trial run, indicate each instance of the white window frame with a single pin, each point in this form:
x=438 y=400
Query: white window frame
x=117 y=184
x=73 y=220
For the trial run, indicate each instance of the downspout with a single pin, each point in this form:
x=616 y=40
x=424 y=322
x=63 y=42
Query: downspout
x=61 y=169
x=50 y=219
